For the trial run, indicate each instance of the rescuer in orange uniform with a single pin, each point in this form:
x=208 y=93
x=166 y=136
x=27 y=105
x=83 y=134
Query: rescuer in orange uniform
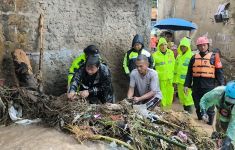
x=204 y=73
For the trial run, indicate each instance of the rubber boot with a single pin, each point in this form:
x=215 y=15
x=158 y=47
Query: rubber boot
x=189 y=109
x=211 y=119
x=199 y=115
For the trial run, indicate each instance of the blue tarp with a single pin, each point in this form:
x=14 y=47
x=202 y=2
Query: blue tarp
x=175 y=24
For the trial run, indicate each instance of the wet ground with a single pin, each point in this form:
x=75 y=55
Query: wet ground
x=200 y=124
x=32 y=137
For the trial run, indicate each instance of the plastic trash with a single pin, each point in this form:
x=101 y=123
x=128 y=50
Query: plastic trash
x=153 y=117
x=27 y=121
x=192 y=147
x=182 y=135
x=15 y=113
x=152 y=103
x=76 y=118
x=142 y=110
x=113 y=145
x=97 y=116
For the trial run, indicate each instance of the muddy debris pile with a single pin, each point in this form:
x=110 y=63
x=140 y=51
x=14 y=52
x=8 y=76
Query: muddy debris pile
x=127 y=125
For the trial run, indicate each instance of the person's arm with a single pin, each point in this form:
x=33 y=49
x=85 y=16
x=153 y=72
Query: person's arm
x=125 y=65
x=173 y=64
x=131 y=89
x=189 y=76
x=211 y=98
x=155 y=85
x=76 y=80
x=76 y=64
x=230 y=132
x=231 y=126
x=175 y=70
x=219 y=75
x=173 y=60
x=148 y=95
x=130 y=92
x=152 y=56
x=150 y=59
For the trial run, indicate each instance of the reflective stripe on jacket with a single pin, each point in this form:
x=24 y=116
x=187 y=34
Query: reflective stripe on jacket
x=164 y=64
x=130 y=58
x=182 y=62
x=202 y=66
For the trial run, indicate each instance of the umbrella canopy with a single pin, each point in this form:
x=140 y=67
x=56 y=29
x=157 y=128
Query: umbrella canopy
x=175 y=24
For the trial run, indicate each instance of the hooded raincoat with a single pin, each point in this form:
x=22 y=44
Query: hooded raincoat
x=132 y=54
x=164 y=64
x=180 y=72
x=76 y=64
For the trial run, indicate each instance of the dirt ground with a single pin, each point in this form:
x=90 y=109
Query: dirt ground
x=200 y=124
x=34 y=137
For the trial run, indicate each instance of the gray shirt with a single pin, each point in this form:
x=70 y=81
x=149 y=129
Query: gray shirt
x=147 y=83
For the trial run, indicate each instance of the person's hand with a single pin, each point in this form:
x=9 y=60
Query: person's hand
x=136 y=99
x=174 y=85
x=131 y=98
x=71 y=95
x=205 y=118
x=84 y=94
x=226 y=144
x=186 y=91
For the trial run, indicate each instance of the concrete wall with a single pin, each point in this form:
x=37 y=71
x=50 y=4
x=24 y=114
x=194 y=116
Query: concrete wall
x=70 y=26
x=222 y=35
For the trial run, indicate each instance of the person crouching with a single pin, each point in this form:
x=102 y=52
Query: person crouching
x=92 y=81
x=144 y=84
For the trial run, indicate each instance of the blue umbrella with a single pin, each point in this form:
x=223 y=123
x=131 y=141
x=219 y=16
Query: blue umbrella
x=175 y=24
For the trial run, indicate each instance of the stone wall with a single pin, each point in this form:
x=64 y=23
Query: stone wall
x=202 y=13
x=70 y=26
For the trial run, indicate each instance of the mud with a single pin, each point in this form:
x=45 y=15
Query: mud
x=198 y=124
x=39 y=138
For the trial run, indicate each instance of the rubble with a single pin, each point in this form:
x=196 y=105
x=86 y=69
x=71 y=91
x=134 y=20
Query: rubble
x=121 y=123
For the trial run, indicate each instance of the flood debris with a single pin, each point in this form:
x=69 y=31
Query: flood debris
x=124 y=124
x=23 y=70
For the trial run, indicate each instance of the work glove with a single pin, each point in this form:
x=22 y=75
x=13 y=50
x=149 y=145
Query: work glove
x=205 y=117
x=227 y=145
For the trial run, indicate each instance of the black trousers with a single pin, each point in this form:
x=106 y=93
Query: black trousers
x=197 y=94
